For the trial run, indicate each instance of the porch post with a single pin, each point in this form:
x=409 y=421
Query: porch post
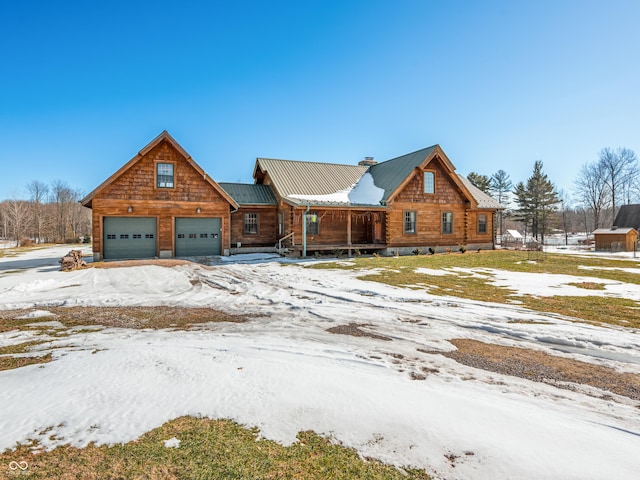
x=304 y=232
x=349 y=232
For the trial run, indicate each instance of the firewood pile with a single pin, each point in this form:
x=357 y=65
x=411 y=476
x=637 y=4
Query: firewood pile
x=72 y=261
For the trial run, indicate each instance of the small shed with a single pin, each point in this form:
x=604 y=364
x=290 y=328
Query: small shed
x=616 y=239
x=512 y=239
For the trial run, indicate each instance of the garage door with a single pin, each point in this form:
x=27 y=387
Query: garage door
x=197 y=237
x=129 y=237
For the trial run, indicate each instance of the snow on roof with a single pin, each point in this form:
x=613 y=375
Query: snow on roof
x=613 y=231
x=363 y=192
x=514 y=233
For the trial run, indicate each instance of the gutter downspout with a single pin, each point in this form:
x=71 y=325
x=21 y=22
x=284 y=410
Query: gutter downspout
x=304 y=231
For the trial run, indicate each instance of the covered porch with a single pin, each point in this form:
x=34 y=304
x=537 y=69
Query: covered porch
x=342 y=230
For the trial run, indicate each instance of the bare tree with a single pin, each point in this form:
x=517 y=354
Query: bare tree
x=62 y=197
x=79 y=217
x=4 y=221
x=619 y=166
x=17 y=212
x=592 y=189
x=39 y=192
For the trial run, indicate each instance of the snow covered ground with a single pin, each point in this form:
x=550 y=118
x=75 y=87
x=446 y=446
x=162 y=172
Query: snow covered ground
x=283 y=372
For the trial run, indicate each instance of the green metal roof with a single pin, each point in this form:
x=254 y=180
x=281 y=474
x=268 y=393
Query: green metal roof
x=250 y=194
x=292 y=178
x=390 y=174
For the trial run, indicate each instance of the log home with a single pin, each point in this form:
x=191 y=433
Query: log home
x=161 y=203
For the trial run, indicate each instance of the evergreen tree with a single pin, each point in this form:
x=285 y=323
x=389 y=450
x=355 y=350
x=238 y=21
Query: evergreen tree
x=480 y=181
x=501 y=185
x=536 y=200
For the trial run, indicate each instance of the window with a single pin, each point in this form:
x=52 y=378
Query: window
x=410 y=222
x=482 y=223
x=164 y=175
x=429 y=182
x=124 y=236
x=204 y=235
x=251 y=223
x=280 y=223
x=137 y=235
x=447 y=222
x=193 y=235
x=313 y=224
x=181 y=235
x=148 y=235
x=111 y=236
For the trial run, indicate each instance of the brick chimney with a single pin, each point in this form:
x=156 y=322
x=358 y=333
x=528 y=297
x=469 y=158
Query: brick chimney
x=367 y=162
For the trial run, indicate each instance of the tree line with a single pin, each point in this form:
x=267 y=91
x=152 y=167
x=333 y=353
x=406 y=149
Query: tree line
x=536 y=205
x=52 y=213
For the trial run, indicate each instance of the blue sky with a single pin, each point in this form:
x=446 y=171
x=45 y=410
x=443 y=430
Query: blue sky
x=498 y=84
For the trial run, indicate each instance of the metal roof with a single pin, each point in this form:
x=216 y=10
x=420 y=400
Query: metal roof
x=628 y=216
x=250 y=194
x=292 y=177
x=389 y=174
x=613 y=231
x=483 y=200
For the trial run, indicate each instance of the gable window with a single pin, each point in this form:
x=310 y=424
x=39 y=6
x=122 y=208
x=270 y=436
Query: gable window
x=164 y=175
x=410 y=221
x=482 y=223
x=313 y=224
x=251 y=223
x=429 y=182
x=447 y=222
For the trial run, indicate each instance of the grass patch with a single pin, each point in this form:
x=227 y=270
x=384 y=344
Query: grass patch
x=19 y=348
x=611 y=310
x=542 y=367
x=9 y=363
x=157 y=317
x=208 y=449
x=400 y=271
x=354 y=330
x=588 y=285
x=8 y=321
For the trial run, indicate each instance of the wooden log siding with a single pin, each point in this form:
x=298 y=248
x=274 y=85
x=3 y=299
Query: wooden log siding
x=164 y=213
x=475 y=237
x=139 y=182
x=429 y=209
x=136 y=188
x=267 y=235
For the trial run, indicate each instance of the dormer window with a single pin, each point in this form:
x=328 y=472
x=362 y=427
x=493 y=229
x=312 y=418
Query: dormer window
x=164 y=175
x=429 y=182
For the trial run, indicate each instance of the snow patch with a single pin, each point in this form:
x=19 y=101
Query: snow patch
x=36 y=314
x=172 y=443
